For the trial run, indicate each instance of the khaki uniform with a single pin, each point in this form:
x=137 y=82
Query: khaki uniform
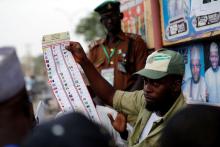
x=133 y=104
x=133 y=60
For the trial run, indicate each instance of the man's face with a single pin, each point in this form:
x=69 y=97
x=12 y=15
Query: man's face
x=111 y=21
x=195 y=70
x=157 y=94
x=214 y=57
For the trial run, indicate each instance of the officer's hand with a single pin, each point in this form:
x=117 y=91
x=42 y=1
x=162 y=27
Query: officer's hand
x=77 y=51
x=120 y=122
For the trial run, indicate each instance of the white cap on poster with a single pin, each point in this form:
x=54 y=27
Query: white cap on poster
x=195 y=53
x=11 y=75
x=213 y=47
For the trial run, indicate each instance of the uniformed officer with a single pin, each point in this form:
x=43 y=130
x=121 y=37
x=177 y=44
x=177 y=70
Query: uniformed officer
x=120 y=54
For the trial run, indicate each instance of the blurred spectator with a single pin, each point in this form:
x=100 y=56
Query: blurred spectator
x=16 y=111
x=69 y=130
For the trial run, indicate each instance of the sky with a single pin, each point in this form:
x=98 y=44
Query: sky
x=24 y=22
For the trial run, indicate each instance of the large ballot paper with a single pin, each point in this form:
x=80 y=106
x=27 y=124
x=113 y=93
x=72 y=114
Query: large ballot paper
x=65 y=78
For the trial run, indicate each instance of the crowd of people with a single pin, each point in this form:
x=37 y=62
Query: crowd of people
x=144 y=90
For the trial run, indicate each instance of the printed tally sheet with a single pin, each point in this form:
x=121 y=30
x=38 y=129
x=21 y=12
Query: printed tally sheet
x=65 y=78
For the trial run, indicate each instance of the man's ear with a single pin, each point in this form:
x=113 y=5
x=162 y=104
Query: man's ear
x=101 y=21
x=177 y=85
x=121 y=15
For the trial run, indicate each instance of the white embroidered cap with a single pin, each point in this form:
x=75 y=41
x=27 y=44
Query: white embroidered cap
x=195 y=53
x=11 y=76
x=213 y=47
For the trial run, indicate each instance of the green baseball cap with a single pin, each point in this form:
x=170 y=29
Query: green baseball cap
x=108 y=6
x=161 y=63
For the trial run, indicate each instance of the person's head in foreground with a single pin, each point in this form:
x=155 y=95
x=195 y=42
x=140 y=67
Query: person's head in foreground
x=162 y=75
x=16 y=111
x=195 y=125
x=69 y=130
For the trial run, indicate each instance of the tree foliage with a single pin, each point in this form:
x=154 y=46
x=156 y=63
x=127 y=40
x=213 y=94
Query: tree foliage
x=33 y=65
x=39 y=67
x=90 y=27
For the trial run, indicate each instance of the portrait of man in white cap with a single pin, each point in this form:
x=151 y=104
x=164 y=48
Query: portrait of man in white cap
x=195 y=87
x=16 y=111
x=212 y=74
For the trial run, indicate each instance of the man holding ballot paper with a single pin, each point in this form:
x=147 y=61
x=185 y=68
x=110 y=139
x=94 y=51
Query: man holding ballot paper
x=149 y=109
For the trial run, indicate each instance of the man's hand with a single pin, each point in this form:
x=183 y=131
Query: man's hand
x=98 y=84
x=77 y=51
x=120 y=122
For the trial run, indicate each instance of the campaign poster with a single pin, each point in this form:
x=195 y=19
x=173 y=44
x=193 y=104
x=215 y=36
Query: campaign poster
x=134 y=17
x=201 y=82
x=190 y=18
x=205 y=15
x=176 y=15
x=194 y=86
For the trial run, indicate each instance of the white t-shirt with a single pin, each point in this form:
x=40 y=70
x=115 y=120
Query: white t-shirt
x=153 y=118
x=102 y=112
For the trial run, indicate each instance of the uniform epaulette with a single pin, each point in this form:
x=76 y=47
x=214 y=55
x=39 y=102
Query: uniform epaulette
x=95 y=43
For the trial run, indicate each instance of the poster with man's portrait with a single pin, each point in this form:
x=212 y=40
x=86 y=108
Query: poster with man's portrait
x=201 y=82
x=212 y=71
x=190 y=18
x=193 y=86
